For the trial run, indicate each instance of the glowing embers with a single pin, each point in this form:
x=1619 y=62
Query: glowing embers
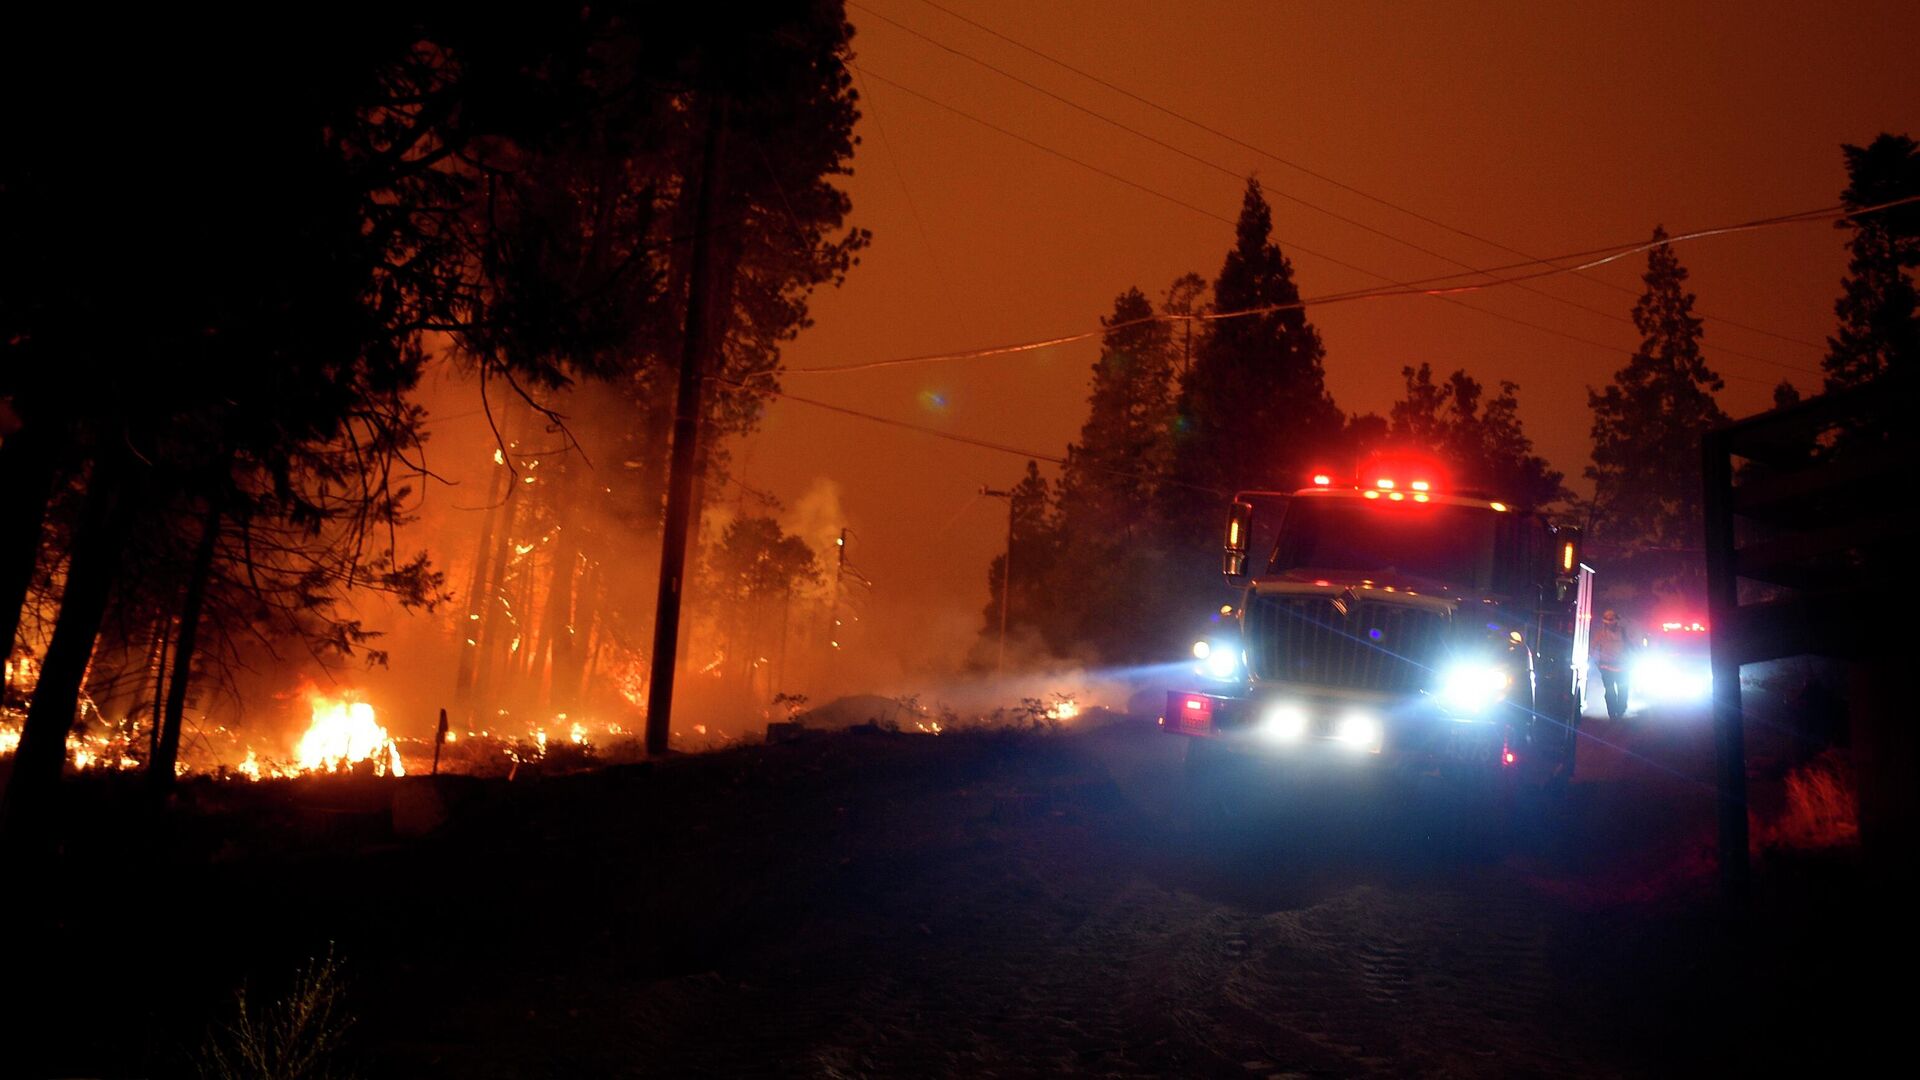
x=344 y=733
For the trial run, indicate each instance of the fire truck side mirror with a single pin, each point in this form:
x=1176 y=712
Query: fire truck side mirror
x=1233 y=559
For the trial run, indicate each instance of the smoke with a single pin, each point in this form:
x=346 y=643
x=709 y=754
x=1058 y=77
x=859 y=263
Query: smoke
x=817 y=517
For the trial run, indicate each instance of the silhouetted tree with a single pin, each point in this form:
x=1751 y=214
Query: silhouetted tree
x=1108 y=484
x=1879 y=310
x=753 y=567
x=1034 y=608
x=1254 y=409
x=1481 y=440
x=1647 y=427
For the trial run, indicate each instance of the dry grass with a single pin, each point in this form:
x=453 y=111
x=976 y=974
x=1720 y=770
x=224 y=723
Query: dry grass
x=294 y=1037
x=1823 y=806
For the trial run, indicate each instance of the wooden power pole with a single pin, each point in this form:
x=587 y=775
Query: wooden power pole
x=696 y=345
x=1006 y=575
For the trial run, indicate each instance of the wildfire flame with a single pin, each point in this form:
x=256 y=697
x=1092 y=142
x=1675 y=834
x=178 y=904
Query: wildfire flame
x=343 y=732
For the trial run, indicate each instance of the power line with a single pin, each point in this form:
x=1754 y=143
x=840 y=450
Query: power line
x=899 y=173
x=1600 y=257
x=968 y=440
x=1317 y=175
x=1228 y=171
x=1291 y=245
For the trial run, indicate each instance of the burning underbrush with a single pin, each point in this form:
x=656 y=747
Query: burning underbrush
x=339 y=733
x=316 y=731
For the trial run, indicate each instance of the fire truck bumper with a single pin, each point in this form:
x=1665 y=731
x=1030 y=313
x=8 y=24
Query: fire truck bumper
x=1362 y=730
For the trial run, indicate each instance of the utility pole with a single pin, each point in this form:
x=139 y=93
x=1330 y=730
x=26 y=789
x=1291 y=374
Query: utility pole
x=1006 y=577
x=696 y=344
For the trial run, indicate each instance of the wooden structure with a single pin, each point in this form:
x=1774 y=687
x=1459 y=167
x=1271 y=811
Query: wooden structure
x=1809 y=514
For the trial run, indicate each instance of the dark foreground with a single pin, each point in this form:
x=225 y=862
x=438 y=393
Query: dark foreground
x=973 y=904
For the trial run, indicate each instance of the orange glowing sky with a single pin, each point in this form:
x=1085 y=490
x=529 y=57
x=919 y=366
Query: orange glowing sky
x=1547 y=127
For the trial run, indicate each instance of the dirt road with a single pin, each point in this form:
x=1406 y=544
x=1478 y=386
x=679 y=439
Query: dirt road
x=973 y=904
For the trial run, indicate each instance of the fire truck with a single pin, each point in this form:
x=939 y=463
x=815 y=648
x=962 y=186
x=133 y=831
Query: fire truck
x=1395 y=624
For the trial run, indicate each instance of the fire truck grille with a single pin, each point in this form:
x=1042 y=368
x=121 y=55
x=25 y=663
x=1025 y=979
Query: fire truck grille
x=1368 y=646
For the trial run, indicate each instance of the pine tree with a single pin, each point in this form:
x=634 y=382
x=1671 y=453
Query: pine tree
x=1879 y=310
x=1033 y=608
x=1647 y=425
x=1481 y=440
x=1107 y=487
x=1254 y=410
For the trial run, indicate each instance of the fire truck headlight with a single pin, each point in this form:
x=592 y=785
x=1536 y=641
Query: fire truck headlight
x=1201 y=650
x=1358 y=730
x=1222 y=660
x=1286 y=721
x=1472 y=687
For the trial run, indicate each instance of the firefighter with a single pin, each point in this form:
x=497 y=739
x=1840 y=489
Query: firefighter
x=1610 y=656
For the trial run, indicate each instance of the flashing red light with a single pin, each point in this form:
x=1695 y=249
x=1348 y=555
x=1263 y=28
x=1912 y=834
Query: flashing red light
x=1507 y=757
x=1421 y=485
x=1383 y=484
x=1395 y=496
x=1321 y=479
x=1371 y=494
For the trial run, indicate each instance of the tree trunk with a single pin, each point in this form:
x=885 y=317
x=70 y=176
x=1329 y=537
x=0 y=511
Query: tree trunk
x=567 y=676
x=490 y=620
x=26 y=486
x=526 y=618
x=160 y=770
x=98 y=540
x=469 y=630
x=163 y=636
x=555 y=642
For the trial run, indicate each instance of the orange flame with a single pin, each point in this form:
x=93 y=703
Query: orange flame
x=343 y=732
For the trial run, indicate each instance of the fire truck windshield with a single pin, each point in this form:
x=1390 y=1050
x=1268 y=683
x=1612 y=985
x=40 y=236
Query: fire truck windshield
x=1462 y=547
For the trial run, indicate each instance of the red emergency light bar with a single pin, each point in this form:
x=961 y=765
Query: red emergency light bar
x=1693 y=627
x=1400 y=473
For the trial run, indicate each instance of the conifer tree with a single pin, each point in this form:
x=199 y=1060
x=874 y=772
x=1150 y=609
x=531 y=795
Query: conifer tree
x=1107 y=487
x=1480 y=439
x=1647 y=425
x=1254 y=410
x=1879 y=309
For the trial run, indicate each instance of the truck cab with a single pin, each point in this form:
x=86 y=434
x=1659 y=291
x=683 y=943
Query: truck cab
x=1394 y=623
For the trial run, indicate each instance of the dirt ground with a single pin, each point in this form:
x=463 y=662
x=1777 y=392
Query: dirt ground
x=973 y=904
